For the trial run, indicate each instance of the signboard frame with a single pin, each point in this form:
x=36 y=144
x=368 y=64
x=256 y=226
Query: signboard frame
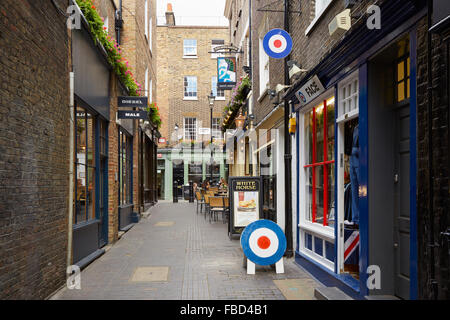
x=121 y=114
x=226 y=85
x=234 y=229
x=134 y=102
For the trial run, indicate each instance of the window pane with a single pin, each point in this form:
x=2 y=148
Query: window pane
x=330 y=195
x=319 y=194
x=330 y=131
x=319 y=133
x=90 y=204
x=408 y=66
x=408 y=89
x=308 y=174
x=401 y=71
x=90 y=140
x=318 y=246
x=308 y=137
x=401 y=91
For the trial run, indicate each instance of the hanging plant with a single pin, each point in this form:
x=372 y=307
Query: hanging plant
x=153 y=114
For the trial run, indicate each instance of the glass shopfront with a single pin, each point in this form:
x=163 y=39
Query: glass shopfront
x=317 y=175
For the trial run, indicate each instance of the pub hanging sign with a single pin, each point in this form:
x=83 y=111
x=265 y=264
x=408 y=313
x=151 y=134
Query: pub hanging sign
x=133 y=102
x=245 y=202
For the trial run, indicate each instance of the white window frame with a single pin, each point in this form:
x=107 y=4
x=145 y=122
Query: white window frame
x=150 y=94
x=106 y=23
x=189 y=56
x=146 y=19
x=146 y=82
x=345 y=99
x=324 y=232
x=216 y=131
x=187 y=86
x=340 y=140
x=150 y=28
x=264 y=73
x=218 y=94
x=319 y=11
x=191 y=128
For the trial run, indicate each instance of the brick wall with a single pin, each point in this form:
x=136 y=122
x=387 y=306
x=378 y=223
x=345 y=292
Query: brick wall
x=172 y=68
x=34 y=149
x=440 y=138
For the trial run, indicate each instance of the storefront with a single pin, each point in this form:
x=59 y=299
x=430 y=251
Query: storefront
x=91 y=114
x=356 y=168
x=148 y=184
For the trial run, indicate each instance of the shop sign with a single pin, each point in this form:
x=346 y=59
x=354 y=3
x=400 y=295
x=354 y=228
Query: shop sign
x=204 y=130
x=226 y=73
x=311 y=90
x=162 y=140
x=122 y=114
x=133 y=102
x=245 y=201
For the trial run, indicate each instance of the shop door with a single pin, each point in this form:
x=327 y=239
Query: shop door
x=401 y=202
x=178 y=176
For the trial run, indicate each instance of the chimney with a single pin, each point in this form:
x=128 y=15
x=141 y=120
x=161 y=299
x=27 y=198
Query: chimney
x=170 y=17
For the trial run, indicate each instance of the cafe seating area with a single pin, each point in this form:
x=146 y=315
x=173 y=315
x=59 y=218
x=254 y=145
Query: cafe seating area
x=213 y=202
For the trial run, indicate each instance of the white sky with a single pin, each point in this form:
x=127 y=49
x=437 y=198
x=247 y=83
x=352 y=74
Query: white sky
x=194 y=12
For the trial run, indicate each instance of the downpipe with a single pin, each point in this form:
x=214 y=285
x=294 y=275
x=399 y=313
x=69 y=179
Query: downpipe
x=71 y=168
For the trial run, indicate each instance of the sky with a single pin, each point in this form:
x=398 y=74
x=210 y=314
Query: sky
x=194 y=12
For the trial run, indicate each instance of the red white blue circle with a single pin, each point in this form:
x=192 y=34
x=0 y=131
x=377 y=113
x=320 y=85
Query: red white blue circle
x=277 y=43
x=263 y=242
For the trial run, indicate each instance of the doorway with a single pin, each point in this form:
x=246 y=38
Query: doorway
x=389 y=168
x=178 y=176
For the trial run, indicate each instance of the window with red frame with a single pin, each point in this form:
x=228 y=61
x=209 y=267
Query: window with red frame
x=319 y=163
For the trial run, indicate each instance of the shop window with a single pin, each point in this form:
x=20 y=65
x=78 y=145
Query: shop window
x=125 y=168
x=84 y=166
x=195 y=172
x=319 y=166
x=190 y=129
x=215 y=171
x=402 y=81
x=190 y=87
x=348 y=97
x=189 y=48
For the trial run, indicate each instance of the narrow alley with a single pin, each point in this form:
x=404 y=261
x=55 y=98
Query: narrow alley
x=176 y=254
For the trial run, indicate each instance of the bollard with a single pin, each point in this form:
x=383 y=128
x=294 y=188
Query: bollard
x=191 y=191
x=175 y=191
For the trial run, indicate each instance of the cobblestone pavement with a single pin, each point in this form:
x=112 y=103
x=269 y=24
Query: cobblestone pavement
x=176 y=254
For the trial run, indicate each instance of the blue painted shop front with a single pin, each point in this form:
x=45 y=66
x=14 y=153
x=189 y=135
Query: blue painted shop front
x=370 y=84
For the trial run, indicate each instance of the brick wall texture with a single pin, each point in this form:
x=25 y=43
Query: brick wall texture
x=34 y=149
x=172 y=68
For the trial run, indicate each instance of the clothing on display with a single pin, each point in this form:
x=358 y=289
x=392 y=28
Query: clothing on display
x=354 y=175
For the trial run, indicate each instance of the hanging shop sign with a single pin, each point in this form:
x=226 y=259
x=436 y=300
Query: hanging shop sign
x=277 y=43
x=226 y=73
x=125 y=114
x=311 y=90
x=162 y=140
x=133 y=102
x=245 y=202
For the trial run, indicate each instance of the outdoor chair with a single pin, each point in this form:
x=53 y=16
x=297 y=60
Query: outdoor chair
x=200 y=201
x=226 y=204
x=216 y=205
x=206 y=199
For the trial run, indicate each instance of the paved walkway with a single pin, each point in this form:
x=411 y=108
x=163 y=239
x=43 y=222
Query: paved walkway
x=175 y=254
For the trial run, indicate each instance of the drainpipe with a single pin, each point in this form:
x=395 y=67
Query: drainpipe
x=287 y=150
x=71 y=168
x=431 y=245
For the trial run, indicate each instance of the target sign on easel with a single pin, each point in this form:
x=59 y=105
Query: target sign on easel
x=263 y=243
x=277 y=43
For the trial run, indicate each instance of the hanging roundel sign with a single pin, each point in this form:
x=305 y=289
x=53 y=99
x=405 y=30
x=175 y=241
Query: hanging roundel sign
x=263 y=242
x=277 y=43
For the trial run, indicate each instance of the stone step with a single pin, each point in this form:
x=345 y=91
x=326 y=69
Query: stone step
x=330 y=293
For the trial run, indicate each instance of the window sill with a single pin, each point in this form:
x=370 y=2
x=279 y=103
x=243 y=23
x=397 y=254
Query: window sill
x=263 y=94
x=316 y=19
x=219 y=98
x=190 y=57
x=190 y=99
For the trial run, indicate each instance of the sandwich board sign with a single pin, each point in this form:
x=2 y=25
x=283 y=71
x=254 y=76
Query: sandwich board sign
x=246 y=202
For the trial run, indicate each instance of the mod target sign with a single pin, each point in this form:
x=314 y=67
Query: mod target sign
x=263 y=242
x=277 y=43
